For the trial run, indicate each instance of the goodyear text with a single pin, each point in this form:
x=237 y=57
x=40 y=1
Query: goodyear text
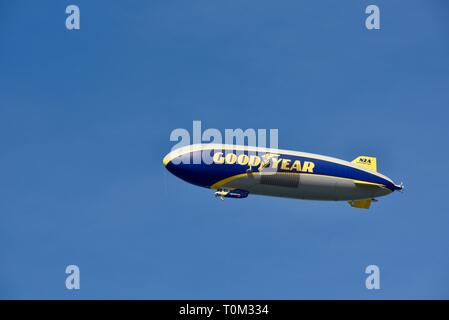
x=273 y=161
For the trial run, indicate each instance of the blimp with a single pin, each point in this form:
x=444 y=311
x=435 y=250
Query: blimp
x=237 y=171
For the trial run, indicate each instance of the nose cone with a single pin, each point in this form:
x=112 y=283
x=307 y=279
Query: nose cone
x=175 y=169
x=196 y=174
x=172 y=166
x=166 y=160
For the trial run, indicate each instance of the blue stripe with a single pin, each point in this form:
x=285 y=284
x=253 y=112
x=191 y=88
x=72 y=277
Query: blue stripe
x=205 y=175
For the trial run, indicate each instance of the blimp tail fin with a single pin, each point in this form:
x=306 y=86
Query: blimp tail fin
x=363 y=204
x=367 y=162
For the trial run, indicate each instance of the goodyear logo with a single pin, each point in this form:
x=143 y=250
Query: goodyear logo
x=273 y=161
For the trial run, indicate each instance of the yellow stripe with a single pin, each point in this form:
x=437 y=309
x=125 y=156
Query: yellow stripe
x=227 y=180
x=167 y=159
x=369 y=183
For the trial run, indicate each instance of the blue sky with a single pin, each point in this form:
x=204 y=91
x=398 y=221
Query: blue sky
x=85 y=119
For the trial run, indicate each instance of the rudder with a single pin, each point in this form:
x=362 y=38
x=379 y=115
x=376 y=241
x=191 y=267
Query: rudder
x=363 y=204
x=367 y=162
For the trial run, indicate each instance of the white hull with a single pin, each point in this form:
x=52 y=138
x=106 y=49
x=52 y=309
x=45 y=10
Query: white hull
x=305 y=186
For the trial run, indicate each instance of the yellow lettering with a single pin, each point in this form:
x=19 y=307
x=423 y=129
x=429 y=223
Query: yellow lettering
x=231 y=158
x=218 y=157
x=296 y=166
x=308 y=167
x=254 y=161
x=275 y=162
x=285 y=164
x=243 y=159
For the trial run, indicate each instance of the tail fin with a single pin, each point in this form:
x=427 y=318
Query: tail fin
x=364 y=204
x=367 y=162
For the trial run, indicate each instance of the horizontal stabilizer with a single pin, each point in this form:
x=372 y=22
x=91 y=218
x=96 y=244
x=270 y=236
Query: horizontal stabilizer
x=367 y=162
x=363 y=204
x=366 y=183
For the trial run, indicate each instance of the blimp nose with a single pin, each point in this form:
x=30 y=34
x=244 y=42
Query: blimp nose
x=175 y=169
x=183 y=169
x=188 y=167
x=172 y=166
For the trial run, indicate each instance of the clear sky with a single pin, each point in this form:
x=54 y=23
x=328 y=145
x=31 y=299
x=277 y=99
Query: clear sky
x=85 y=119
